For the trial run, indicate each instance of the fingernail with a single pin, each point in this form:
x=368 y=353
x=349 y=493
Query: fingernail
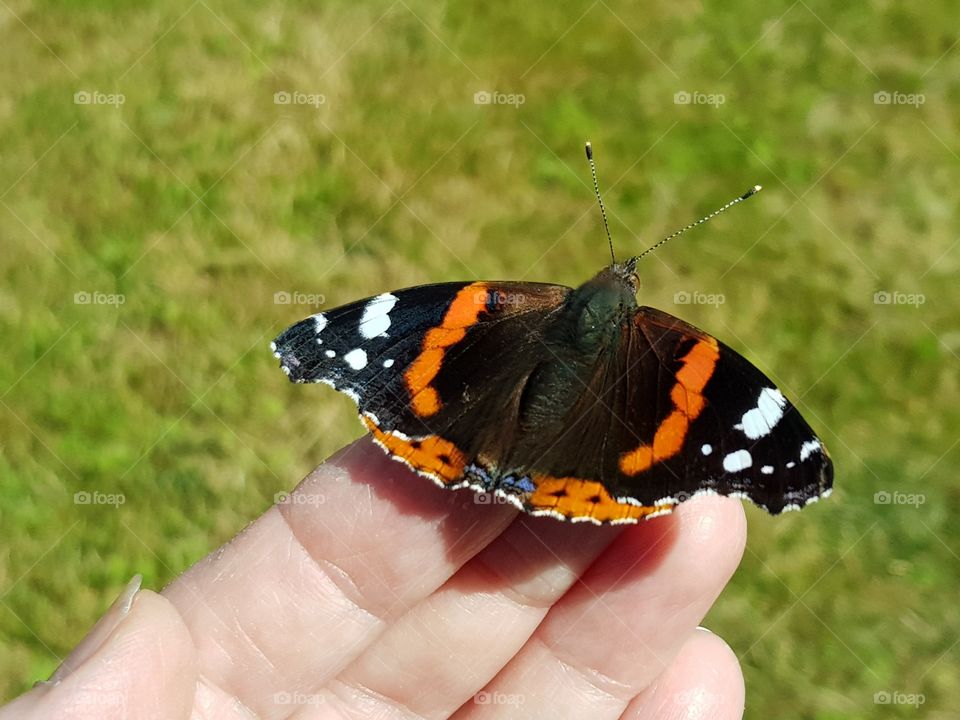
x=100 y=632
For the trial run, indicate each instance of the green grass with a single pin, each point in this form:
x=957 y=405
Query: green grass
x=173 y=400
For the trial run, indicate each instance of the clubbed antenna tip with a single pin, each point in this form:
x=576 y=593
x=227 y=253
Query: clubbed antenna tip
x=749 y=193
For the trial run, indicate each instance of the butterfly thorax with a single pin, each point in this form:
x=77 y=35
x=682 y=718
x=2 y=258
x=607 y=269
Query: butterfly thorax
x=595 y=312
x=576 y=347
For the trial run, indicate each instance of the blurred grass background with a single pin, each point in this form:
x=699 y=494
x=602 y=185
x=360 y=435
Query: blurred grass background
x=199 y=198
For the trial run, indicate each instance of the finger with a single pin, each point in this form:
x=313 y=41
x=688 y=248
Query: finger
x=704 y=682
x=144 y=667
x=293 y=599
x=451 y=644
x=617 y=630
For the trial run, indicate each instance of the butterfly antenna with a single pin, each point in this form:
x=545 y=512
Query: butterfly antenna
x=752 y=191
x=596 y=189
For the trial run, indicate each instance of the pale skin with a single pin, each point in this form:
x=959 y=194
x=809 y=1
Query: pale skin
x=374 y=594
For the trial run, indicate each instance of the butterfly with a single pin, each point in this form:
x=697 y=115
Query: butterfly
x=574 y=403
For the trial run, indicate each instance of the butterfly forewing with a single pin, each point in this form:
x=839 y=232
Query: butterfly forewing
x=716 y=423
x=416 y=360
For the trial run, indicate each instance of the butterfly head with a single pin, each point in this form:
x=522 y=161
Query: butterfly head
x=623 y=275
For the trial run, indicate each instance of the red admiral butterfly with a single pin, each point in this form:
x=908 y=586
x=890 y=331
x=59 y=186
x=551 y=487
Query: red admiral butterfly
x=573 y=403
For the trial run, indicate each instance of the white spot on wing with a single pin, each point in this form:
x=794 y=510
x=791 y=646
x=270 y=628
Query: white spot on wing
x=376 y=316
x=707 y=449
x=388 y=362
x=737 y=461
x=356 y=359
x=767 y=469
x=759 y=421
x=329 y=353
x=808 y=448
x=319 y=323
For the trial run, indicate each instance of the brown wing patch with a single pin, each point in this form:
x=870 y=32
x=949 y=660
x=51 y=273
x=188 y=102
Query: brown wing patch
x=577 y=498
x=687 y=397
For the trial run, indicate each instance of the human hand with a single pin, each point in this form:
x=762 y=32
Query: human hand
x=373 y=593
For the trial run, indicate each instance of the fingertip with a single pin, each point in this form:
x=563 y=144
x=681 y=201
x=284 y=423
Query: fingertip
x=704 y=682
x=702 y=542
x=719 y=665
x=146 y=667
x=717 y=527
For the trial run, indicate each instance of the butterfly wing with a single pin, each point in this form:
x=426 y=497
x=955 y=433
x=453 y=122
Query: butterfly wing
x=701 y=418
x=431 y=368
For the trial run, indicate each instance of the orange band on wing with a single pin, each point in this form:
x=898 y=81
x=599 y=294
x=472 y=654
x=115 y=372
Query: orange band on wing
x=688 y=403
x=577 y=498
x=463 y=312
x=433 y=455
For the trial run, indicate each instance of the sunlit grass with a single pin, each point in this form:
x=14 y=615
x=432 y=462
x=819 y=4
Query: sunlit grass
x=198 y=198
